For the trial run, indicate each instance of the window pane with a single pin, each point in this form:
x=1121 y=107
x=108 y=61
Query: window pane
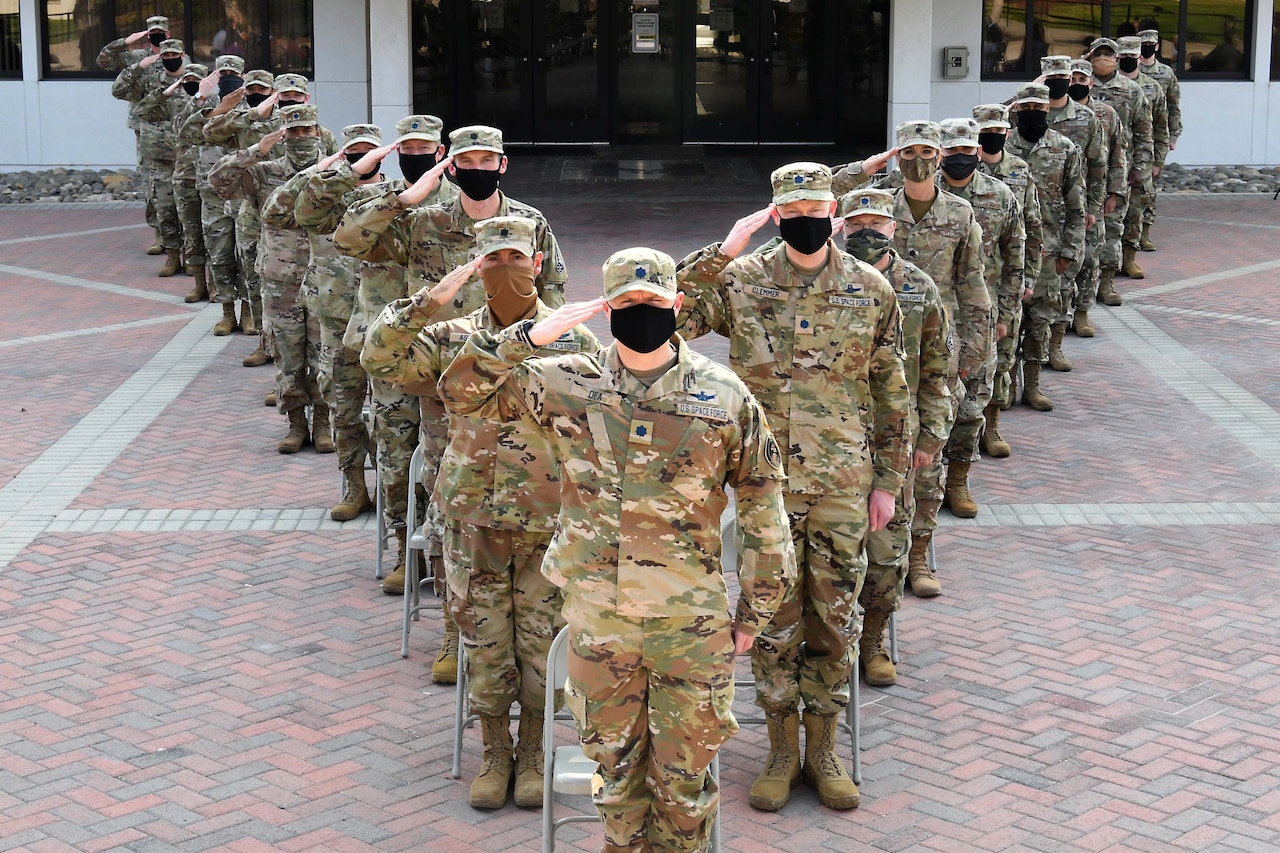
x=1275 y=41
x=865 y=70
x=10 y=40
x=291 y=37
x=230 y=27
x=1132 y=18
x=1216 y=36
x=1068 y=26
x=1004 y=36
x=75 y=33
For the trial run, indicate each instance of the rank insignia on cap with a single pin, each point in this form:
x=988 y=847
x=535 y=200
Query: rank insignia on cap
x=504 y=232
x=799 y=179
x=414 y=125
x=296 y=116
x=475 y=136
x=641 y=272
x=866 y=202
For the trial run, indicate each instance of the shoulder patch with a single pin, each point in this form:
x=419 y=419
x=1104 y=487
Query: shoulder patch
x=772 y=453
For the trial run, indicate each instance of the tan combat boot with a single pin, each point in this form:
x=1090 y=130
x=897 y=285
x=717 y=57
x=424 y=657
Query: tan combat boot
x=489 y=789
x=1128 y=266
x=529 y=759
x=876 y=663
x=258 y=357
x=957 y=497
x=355 y=496
x=228 y=323
x=156 y=247
x=823 y=770
x=1107 y=294
x=248 y=318
x=172 y=264
x=1031 y=388
x=781 y=773
x=445 y=668
x=269 y=400
x=393 y=584
x=298 y=435
x=321 y=429
x=1057 y=359
x=920 y=576
x=1080 y=324
x=199 y=290
x=993 y=444
x=1144 y=243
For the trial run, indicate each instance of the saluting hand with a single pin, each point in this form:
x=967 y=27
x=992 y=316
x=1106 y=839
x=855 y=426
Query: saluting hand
x=265 y=108
x=173 y=88
x=736 y=243
x=270 y=141
x=141 y=35
x=148 y=61
x=876 y=162
x=452 y=283
x=232 y=99
x=327 y=163
x=564 y=318
x=425 y=185
x=371 y=158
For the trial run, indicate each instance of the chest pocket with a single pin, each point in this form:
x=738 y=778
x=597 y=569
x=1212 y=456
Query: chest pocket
x=749 y=343
x=690 y=469
x=931 y=248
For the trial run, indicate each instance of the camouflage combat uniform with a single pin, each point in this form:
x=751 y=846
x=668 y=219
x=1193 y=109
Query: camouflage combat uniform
x=1144 y=196
x=117 y=56
x=637 y=555
x=189 y=135
x=1126 y=98
x=1082 y=126
x=1162 y=74
x=1099 y=252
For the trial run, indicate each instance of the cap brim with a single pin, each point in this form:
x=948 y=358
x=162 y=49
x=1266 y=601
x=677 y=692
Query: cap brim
x=520 y=246
x=308 y=123
x=425 y=137
x=863 y=211
x=463 y=149
x=643 y=286
x=1044 y=101
x=959 y=142
x=374 y=142
x=804 y=195
x=988 y=125
x=293 y=89
x=917 y=140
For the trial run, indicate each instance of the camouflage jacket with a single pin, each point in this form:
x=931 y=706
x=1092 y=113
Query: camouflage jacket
x=824 y=359
x=117 y=56
x=642 y=476
x=283 y=254
x=1079 y=124
x=188 y=130
x=1058 y=170
x=1172 y=94
x=1126 y=98
x=927 y=349
x=1016 y=175
x=431 y=241
x=325 y=199
x=500 y=474
x=1004 y=238
x=1117 y=158
x=153 y=109
x=1154 y=91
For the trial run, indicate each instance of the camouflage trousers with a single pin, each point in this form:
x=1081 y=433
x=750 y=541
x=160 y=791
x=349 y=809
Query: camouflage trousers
x=1149 y=215
x=974 y=395
x=1006 y=360
x=187 y=198
x=160 y=194
x=222 y=268
x=395 y=432
x=1109 y=253
x=1140 y=198
x=433 y=435
x=887 y=551
x=805 y=652
x=296 y=332
x=1040 y=311
x=1084 y=295
x=928 y=487
x=652 y=698
x=505 y=610
x=344 y=385
x=144 y=178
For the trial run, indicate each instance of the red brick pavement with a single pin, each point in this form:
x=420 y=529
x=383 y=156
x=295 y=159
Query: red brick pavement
x=1076 y=688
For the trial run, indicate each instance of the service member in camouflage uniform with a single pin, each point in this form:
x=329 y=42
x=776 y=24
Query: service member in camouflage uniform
x=997 y=161
x=282 y=261
x=1151 y=66
x=144 y=84
x=1129 y=50
x=1058 y=170
x=926 y=346
x=189 y=138
x=1098 y=251
x=499 y=492
x=648 y=434
x=1126 y=98
x=116 y=57
x=396 y=415
x=814 y=334
x=1081 y=125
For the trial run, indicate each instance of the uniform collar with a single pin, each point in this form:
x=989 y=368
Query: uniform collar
x=682 y=377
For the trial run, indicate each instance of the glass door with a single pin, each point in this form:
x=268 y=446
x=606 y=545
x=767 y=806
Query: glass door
x=645 y=49
x=569 y=73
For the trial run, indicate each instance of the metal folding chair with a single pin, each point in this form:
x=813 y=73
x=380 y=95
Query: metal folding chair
x=415 y=557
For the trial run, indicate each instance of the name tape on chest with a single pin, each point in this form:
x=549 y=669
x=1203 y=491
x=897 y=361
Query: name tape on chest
x=766 y=292
x=700 y=410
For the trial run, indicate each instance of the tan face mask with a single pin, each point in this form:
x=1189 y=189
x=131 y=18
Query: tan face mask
x=1104 y=66
x=510 y=292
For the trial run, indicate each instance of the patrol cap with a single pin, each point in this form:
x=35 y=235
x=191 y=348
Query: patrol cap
x=1104 y=42
x=959 y=133
x=353 y=133
x=1082 y=66
x=229 y=62
x=194 y=70
x=157 y=22
x=990 y=116
x=476 y=137
x=1149 y=36
x=506 y=232
x=424 y=127
x=1032 y=93
x=867 y=202
x=172 y=46
x=300 y=115
x=918 y=133
x=258 y=77
x=801 y=182
x=641 y=269
x=1052 y=66
x=291 y=83
x=1128 y=46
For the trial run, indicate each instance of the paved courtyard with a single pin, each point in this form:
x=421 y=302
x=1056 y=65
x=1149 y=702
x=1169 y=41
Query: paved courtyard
x=194 y=658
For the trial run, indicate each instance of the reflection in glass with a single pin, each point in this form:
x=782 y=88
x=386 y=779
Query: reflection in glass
x=795 y=62
x=570 y=52
x=646 y=95
x=498 y=64
x=722 y=49
x=10 y=39
x=433 y=57
x=1217 y=36
x=1004 y=36
x=290 y=41
x=1069 y=27
x=864 y=83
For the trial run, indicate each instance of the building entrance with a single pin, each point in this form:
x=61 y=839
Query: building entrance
x=660 y=71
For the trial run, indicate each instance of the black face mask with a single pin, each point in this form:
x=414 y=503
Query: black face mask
x=228 y=83
x=172 y=65
x=284 y=105
x=959 y=166
x=805 y=234
x=156 y=38
x=477 y=184
x=867 y=244
x=1127 y=64
x=991 y=142
x=1058 y=86
x=414 y=166
x=642 y=327
x=1032 y=124
x=254 y=99
x=191 y=87
x=1149 y=50
x=353 y=158
x=1078 y=91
